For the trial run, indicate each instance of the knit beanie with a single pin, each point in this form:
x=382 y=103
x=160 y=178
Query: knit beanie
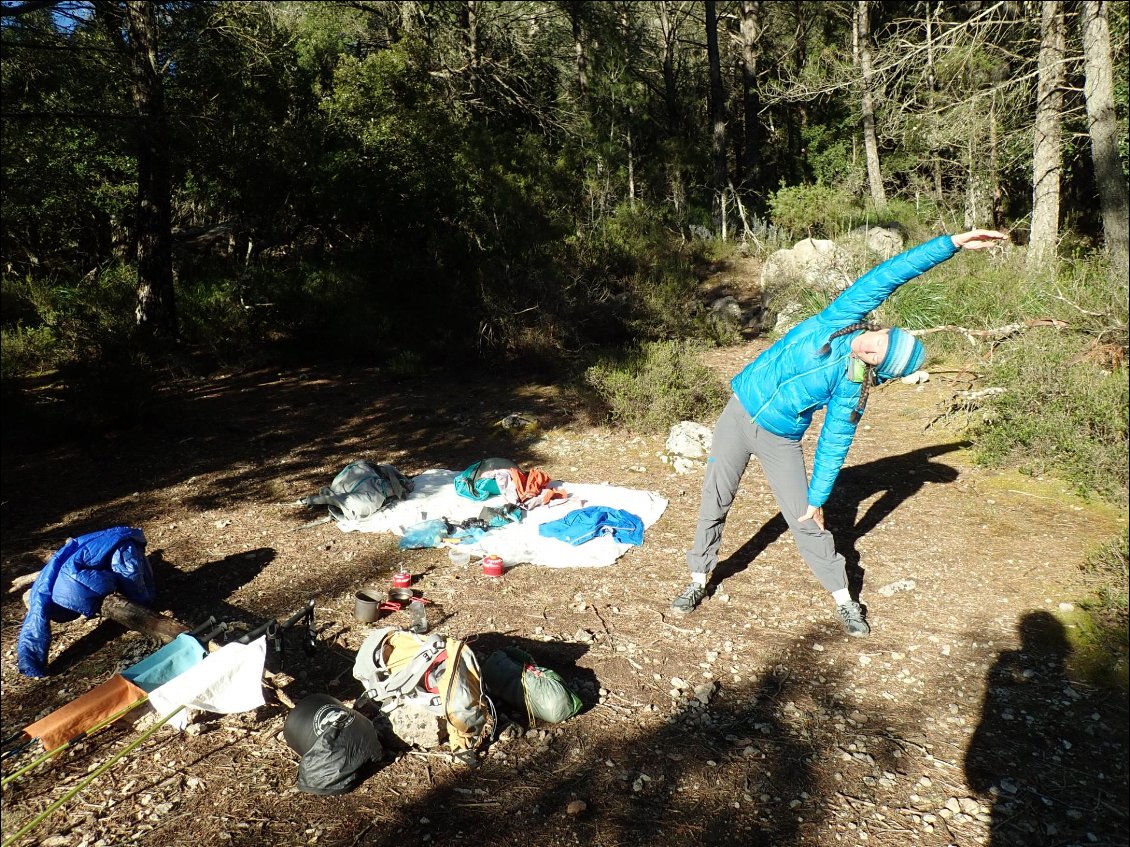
x=905 y=355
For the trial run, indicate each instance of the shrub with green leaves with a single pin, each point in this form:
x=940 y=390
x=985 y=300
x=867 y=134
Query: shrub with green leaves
x=657 y=384
x=1059 y=414
x=1111 y=563
x=810 y=210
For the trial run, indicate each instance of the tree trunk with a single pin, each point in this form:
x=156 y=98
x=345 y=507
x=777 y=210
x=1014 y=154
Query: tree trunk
x=717 y=112
x=932 y=78
x=579 y=49
x=156 y=304
x=750 y=33
x=861 y=42
x=978 y=196
x=471 y=41
x=670 y=90
x=1104 y=136
x=133 y=616
x=1047 y=155
x=796 y=117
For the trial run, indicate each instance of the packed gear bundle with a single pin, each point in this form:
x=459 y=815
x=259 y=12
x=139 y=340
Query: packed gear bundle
x=360 y=490
x=512 y=675
x=337 y=744
x=440 y=675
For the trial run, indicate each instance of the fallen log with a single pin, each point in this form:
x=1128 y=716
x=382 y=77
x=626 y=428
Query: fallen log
x=131 y=615
x=134 y=616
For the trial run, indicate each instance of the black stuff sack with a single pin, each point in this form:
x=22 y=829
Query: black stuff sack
x=512 y=675
x=336 y=743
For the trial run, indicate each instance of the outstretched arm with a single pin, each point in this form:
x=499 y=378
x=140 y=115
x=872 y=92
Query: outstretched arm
x=869 y=291
x=978 y=239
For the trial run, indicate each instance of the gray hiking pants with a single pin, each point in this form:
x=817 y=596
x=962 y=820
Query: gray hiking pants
x=736 y=439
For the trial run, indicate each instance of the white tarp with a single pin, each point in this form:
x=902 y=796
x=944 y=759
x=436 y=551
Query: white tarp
x=434 y=496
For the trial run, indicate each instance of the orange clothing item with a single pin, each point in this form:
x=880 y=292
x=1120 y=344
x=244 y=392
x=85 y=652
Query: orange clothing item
x=530 y=486
x=72 y=720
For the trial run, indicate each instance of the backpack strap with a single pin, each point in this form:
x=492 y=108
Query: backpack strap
x=391 y=686
x=406 y=684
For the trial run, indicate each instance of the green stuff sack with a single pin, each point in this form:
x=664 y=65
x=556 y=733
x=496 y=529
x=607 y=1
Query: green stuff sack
x=512 y=675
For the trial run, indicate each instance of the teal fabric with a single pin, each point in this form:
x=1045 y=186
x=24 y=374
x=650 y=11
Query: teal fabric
x=166 y=664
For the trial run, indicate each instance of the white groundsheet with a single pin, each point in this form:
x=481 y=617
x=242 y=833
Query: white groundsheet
x=434 y=496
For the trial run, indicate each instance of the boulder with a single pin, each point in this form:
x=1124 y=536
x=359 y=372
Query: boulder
x=690 y=440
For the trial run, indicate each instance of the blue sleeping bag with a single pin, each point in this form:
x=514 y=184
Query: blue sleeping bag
x=80 y=574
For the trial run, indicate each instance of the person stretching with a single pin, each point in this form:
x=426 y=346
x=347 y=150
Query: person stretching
x=832 y=360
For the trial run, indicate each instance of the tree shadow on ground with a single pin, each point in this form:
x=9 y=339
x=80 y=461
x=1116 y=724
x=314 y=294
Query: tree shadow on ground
x=897 y=477
x=1051 y=764
x=193 y=595
x=77 y=652
x=258 y=430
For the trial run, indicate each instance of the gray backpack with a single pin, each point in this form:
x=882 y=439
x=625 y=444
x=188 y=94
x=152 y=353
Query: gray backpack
x=438 y=674
x=360 y=490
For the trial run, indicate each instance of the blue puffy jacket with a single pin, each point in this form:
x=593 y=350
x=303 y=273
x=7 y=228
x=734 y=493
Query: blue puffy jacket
x=788 y=382
x=80 y=574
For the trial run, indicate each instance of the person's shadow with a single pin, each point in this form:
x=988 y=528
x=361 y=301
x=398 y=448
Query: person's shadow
x=1039 y=753
x=896 y=477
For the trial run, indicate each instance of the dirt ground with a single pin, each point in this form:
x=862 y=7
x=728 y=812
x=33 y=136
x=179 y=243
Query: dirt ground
x=753 y=721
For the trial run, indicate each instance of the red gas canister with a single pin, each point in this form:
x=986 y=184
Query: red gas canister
x=492 y=566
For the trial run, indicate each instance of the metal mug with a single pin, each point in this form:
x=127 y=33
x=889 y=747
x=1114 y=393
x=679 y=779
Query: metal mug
x=367 y=607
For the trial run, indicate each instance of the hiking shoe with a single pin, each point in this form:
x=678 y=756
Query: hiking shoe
x=692 y=595
x=850 y=616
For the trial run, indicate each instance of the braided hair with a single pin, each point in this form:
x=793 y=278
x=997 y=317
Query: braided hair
x=869 y=372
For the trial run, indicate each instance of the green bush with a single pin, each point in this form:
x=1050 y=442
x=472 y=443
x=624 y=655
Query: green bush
x=1111 y=563
x=26 y=350
x=49 y=322
x=1059 y=414
x=657 y=384
x=815 y=211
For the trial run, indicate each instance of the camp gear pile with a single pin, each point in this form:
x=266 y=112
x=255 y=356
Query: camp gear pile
x=360 y=490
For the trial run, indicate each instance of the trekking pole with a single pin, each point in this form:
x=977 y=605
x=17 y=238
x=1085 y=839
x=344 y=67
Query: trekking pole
x=195 y=633
x=267 y=628
x=305 y=610
x=16 y=774
x=101 y=769
x=221 y=627
x=270 y=627
x=18 y=749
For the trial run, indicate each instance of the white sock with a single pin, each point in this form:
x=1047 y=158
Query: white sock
x=699 y=579
x=841 y=596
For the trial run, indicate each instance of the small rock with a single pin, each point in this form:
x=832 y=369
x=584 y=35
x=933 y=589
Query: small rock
x=899 y=585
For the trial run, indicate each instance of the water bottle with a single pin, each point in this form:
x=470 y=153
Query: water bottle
x=418 y=617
